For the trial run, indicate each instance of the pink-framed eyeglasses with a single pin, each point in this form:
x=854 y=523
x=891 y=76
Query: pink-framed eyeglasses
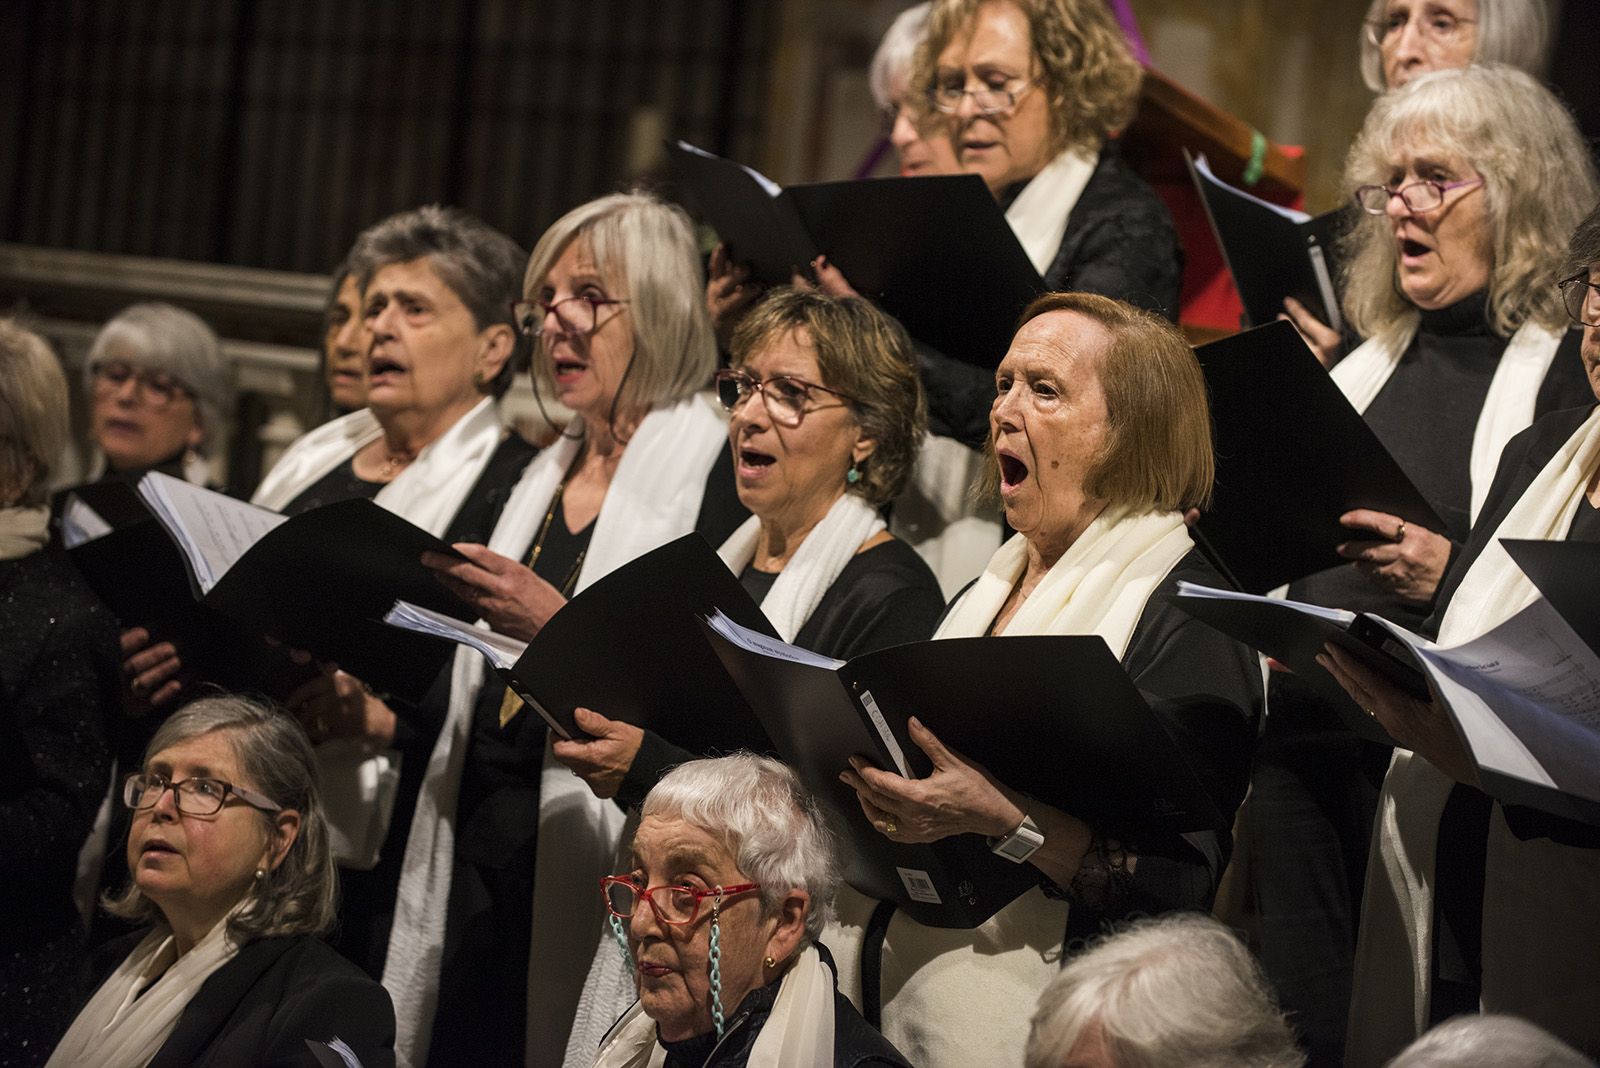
x=674 y=906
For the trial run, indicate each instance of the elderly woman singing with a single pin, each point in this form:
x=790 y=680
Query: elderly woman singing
x=732 y=879
x=231 y=867
x=1101 y=437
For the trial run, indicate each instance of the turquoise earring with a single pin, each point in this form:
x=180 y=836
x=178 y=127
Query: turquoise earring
x=853 y=475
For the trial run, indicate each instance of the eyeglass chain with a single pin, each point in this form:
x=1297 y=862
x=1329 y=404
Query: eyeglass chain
x=716 y=963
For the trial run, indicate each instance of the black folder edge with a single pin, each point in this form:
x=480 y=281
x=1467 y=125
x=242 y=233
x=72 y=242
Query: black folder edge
x=1574 y=592
x=1286 y=343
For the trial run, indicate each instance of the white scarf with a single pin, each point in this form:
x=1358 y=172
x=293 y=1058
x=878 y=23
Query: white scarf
x=608 y=989
x=23 y=531
x=938 y=515
x=798 y=1033
x=654 y=497
x=116 y=1031
x=1508 y=407
x=816 y=563
x=951 y=997
x=1039 y=214
x=1397 y=906
x=428 y=493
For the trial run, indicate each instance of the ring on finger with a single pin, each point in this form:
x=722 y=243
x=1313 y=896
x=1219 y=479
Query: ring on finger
x=1400 y=531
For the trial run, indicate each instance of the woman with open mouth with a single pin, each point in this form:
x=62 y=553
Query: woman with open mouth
x=234 y=880
x=1101 y=437
x=1469 y=183
x=613 y=296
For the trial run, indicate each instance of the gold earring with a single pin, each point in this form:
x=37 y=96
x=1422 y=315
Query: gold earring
x=769 y=962
x=261 y=873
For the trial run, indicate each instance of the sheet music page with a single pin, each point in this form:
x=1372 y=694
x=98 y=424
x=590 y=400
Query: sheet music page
x=1203 y=165
x=213 y=530
x=80 y=523
x=499 y=649
x=1527 y=697
x=756 y=642
x=1213 y=593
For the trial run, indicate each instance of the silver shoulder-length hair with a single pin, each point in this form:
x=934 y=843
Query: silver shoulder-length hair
x=302 y=895
x=1538 y=182
x=896 y=52
x=167 y=338
x=771 y=824
x=33 y=411
x=1489 y=1040
x=1176 y=991
x=1515 y=32
x=646 y=253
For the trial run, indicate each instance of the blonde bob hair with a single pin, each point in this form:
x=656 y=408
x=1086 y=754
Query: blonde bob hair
x=33 y=415
x=1158 y=452
x=867 y=356
x=301 y=895
x=1538 y=182
x=1516 y=32
x=646 y=254
x=1084 y=65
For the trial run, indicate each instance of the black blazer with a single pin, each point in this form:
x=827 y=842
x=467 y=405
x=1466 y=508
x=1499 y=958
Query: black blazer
x=260 y=1007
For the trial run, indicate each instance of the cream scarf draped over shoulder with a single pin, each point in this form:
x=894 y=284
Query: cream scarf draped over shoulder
x=1537 y=955
x=958 y=998
x=1507 y=408
x=654 y=497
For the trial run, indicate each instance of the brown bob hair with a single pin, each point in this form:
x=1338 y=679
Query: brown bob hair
x=1158 y=453
x=863 y=353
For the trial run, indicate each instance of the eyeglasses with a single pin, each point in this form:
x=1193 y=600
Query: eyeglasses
x=1582 y=298
x=988 y=100
x=787 y=398
x=1419 y=197
x=1437 y=28
x=675 y=906
x=154 y=388
x=578 y=315
x=194 y=797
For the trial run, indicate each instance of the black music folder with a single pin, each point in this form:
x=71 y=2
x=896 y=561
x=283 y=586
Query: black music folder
x=630 y=647
x=1054 y=717
x=320 y=581
x=1272 y=252
x=1568 y=574
x=1292 y=457
x=935 y=252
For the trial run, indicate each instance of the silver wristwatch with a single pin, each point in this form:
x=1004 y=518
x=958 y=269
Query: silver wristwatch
x=1021 y=843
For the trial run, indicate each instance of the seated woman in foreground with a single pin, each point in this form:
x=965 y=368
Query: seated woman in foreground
x=230 y=862
x=733 y=878
x=1102 y=438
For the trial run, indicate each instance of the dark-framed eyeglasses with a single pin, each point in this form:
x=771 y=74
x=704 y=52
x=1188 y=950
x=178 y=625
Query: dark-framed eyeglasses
x=578 y=316
x=1419 y=197
x=200 y=796
x=989 y=100
x=674 y=906
x=786 y=397
x=157 y=389
x=1437 y=27
x=1582 y=298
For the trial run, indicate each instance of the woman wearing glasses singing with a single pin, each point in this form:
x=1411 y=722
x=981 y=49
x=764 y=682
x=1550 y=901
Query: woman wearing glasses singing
x=504 y=851
x=1507 y=888
x=1469 y=181
x=231 y=866
x=733 y=877
x=1404 y=38
x=159 y=393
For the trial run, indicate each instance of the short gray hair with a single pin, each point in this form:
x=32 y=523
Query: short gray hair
x=1516 y=32
x=1538 y=182
x=645 y=251
x=173 y=340
x=771 y=824
x=896 y=53
x=1489 y=1041
x=1176 y=991
x=302 y=895
x=481 y=266
x=33 y=415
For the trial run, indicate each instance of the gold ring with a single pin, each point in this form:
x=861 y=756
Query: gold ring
x=889 y=827
x=1400 y=534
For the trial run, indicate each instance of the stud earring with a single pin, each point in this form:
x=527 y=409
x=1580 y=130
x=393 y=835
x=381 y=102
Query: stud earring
x=261 y=874
x=769 y=962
